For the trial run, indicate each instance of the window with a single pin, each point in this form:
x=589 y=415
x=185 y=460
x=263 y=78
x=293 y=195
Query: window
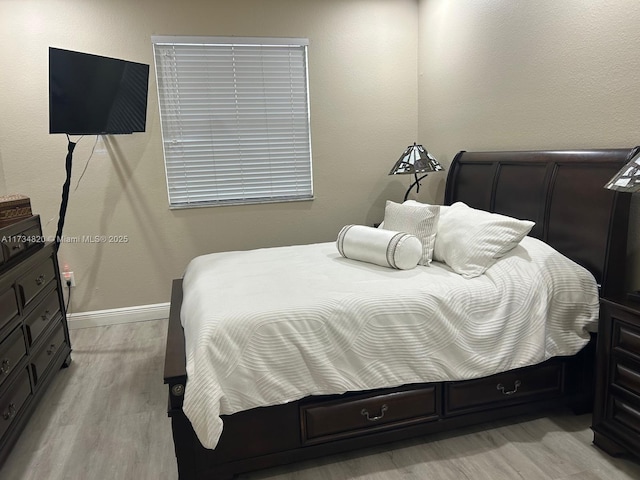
x=235 y=119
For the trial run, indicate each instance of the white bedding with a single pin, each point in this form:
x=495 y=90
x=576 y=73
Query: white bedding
x=268 y=326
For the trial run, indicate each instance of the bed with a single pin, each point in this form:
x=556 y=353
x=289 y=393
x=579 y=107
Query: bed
x=561 y=191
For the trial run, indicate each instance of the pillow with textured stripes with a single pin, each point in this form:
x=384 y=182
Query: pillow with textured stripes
x=379 y=246
x=420 y=220
x=420 y=204
x=471 y=240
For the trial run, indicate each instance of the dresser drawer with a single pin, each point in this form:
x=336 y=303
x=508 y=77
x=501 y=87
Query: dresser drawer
x=32 y=282
x=626 y=375
x=14 y=245
x=18 y=237
x=13 y=248
x=47 y=353
x=627 y=414
x=12 y=350
x=42 y=315
x=12 y=399
x=363 y=414
x=626 y=339
x=8 y=306
x=544 y=381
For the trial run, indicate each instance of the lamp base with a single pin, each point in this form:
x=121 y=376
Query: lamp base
x=414 y=184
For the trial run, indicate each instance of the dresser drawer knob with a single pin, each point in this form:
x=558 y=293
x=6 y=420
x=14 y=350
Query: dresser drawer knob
x=10 y=412
x=5 y=366
x=45 y=316
x=51 y=349
x=509 y=392
x=365 y=413
x=40 y=280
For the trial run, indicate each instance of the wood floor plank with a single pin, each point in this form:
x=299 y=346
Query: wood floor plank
x=105 y=418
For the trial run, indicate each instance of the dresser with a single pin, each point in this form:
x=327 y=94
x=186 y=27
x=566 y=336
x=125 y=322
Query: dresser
x=616 y=416
x=34 y=337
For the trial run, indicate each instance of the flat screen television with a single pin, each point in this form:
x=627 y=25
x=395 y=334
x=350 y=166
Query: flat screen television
x=95 y=95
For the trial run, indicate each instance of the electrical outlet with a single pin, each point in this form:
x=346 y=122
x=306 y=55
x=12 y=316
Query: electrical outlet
x=68 y=277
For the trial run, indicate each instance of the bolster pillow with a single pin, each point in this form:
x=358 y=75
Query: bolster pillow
x=381 y=247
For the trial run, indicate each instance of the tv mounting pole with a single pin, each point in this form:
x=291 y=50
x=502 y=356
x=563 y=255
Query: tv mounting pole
x=65 y=193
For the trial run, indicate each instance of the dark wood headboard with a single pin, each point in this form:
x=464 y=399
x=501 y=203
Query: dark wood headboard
x=563 y=192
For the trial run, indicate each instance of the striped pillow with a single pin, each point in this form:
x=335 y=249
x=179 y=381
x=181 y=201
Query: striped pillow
x=419 y=220
x=379 y=246
x=471 y=240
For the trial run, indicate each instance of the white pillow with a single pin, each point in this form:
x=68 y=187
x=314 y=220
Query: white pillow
x=420 y=204
x=419 y=220
x=471 y=240
x=379 y=246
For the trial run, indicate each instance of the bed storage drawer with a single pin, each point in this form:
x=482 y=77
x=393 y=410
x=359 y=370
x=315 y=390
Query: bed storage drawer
x=367 y=413
x=543 y=381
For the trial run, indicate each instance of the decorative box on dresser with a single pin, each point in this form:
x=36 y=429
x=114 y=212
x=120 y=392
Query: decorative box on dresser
x=34 y=337
x=616 y=416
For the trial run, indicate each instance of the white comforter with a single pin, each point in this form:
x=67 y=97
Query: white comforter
x=269 y=326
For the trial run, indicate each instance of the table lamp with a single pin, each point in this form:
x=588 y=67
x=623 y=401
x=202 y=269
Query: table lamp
x=414 y=160
x=627 y=180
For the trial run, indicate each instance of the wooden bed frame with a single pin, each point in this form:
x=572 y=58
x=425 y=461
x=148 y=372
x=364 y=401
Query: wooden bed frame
x=562 y=191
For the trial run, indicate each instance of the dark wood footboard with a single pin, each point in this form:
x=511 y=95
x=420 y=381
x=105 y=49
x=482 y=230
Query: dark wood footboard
x=175 y=360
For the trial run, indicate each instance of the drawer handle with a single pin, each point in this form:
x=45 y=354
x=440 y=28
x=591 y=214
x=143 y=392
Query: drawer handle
x=509 y=392
x=45 y=316
x=11 y=412
x=51 y=349
x=177 y=390
x=5 y=367
x=17 y=246
x=365 y=413
x=40 y=279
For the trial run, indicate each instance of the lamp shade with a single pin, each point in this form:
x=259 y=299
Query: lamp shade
x=415 y=159
x=628 y=178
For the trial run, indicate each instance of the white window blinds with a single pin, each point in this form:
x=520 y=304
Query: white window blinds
x=235 y=119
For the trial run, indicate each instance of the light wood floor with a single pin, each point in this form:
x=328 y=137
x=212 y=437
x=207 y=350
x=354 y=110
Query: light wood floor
x=105 y=418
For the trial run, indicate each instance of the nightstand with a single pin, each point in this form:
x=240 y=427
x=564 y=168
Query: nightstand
x=616 y=415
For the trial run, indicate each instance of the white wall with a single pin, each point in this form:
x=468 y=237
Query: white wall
x=363 y=91
x=498 y=75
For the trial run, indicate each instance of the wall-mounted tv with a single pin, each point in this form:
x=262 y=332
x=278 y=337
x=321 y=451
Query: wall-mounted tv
x=95 y=95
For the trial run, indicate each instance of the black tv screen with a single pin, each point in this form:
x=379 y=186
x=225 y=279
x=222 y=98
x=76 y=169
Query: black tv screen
x=94 y=95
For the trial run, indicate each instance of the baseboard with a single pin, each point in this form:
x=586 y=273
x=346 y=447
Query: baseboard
x=114 y=316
